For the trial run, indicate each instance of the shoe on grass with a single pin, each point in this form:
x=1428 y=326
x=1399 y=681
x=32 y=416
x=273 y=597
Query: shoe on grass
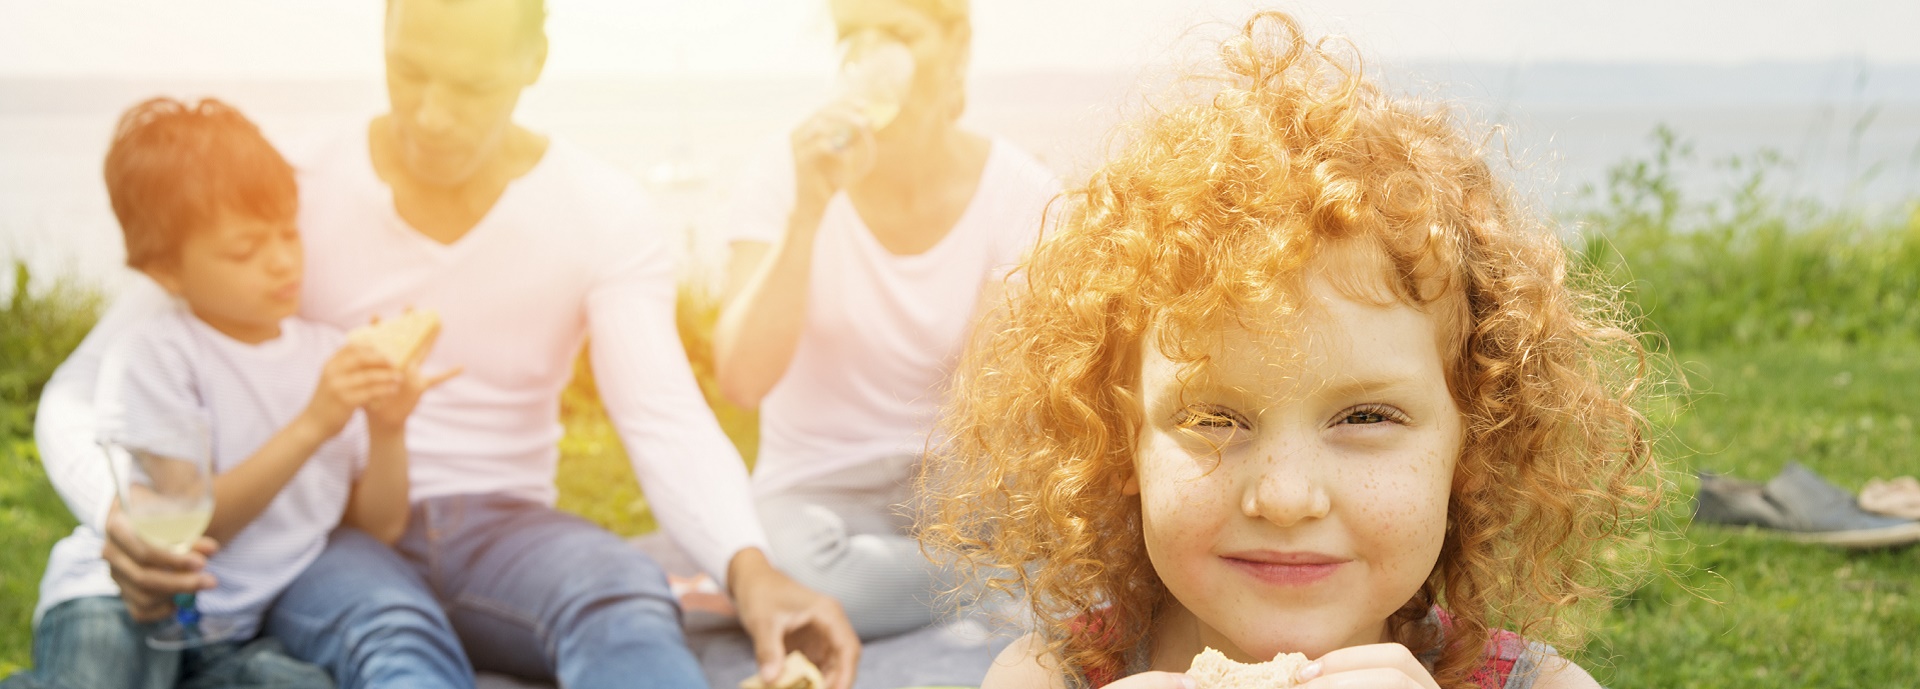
x=1799 y=505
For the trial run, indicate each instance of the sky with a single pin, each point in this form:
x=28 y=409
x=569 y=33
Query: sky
x=679 y=38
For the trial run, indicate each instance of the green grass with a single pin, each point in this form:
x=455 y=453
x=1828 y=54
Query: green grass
x=1738 y=609
x=36 y=333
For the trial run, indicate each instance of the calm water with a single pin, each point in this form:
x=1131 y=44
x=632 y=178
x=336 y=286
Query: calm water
x=1851 y=132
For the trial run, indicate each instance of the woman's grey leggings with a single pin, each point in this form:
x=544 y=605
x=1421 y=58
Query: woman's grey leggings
x=847 y=535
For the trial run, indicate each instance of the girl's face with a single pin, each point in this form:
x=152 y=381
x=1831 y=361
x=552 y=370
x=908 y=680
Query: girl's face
x=1294 y=495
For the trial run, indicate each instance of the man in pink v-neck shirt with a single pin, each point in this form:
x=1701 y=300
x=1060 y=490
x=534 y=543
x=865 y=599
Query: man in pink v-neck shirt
x=526 y=246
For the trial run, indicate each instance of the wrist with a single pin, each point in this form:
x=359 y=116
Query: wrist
x=313 y=426
x=746 y=569
x=806 y=214
x=385 y=429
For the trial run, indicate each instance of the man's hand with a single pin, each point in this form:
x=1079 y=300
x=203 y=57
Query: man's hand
x=149 y=576
x=782 y=615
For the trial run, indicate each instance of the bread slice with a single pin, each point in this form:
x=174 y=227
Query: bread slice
x=399 y=339
x=798 y=673
x=1214 y=670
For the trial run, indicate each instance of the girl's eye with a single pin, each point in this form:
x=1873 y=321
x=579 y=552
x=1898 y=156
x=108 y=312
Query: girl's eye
x=1206 y=416
x=1372 y=414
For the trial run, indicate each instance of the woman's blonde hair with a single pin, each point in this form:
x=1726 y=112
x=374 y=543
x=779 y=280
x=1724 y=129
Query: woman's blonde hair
x=1213 y=209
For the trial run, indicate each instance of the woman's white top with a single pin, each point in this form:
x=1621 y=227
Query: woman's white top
x=883 y=330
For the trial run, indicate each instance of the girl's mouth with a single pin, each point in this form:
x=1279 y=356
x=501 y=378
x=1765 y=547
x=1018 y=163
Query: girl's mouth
x=1285 y=568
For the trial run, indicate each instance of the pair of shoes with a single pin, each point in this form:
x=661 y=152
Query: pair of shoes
x=1800 y=506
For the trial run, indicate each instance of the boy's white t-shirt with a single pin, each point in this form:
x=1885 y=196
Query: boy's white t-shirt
x=175 y=366
x=883 y=331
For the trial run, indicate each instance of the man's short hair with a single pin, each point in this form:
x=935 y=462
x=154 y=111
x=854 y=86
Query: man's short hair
x=532 y=25
x=174 y=167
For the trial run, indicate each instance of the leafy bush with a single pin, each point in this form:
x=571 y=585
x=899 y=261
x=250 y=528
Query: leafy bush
x=37 y=331
x=1756 y=266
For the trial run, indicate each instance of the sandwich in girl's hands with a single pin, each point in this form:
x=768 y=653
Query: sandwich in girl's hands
x=1214 y=670
x=1294 y=375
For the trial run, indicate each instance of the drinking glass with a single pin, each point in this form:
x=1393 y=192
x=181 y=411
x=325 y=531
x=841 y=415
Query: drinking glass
x=876 y=73
x=163 y=476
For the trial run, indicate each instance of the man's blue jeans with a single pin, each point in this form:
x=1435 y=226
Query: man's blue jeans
x=516 y=586
x=91 y=643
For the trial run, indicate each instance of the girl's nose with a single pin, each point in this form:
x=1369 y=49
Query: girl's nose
x=1284 y=492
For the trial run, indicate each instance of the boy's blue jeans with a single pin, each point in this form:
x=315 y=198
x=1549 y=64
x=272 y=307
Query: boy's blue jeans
x=515 y=586
x=91 y=643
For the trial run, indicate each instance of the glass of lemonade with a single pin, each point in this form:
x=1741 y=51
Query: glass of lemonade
x=163 y=476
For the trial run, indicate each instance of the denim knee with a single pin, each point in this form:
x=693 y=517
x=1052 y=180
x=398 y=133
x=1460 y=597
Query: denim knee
x=363 y=613
x=93 y=642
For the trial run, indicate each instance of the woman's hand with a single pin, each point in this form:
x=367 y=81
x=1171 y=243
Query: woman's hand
x=1374 y=666
x=149 y=576
x=831 y=150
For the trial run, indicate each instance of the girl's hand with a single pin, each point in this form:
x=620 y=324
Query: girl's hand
x=356 y=375
x=832 y=149
x=1374 y=666
x=1153 y=680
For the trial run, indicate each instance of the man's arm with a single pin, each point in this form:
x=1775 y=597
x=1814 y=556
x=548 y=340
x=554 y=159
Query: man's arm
x=693 y=476
x=691 y=473
x=66 y=426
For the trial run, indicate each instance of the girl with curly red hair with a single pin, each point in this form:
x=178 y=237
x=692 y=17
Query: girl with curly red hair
x=1295 y=373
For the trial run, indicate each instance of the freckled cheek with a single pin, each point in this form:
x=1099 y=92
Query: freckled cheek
x=1182 y=511
x=1402 y=509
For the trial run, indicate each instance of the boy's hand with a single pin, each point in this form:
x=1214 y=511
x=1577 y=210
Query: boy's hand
x=1382 y=666
x=390 y=412
x=356 y=375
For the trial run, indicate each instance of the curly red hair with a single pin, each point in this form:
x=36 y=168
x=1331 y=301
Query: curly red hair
x=1215 y=207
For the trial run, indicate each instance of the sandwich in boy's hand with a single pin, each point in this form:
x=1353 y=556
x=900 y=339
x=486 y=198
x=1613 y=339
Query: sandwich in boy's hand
x=401 y=338
x=1214 y=670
